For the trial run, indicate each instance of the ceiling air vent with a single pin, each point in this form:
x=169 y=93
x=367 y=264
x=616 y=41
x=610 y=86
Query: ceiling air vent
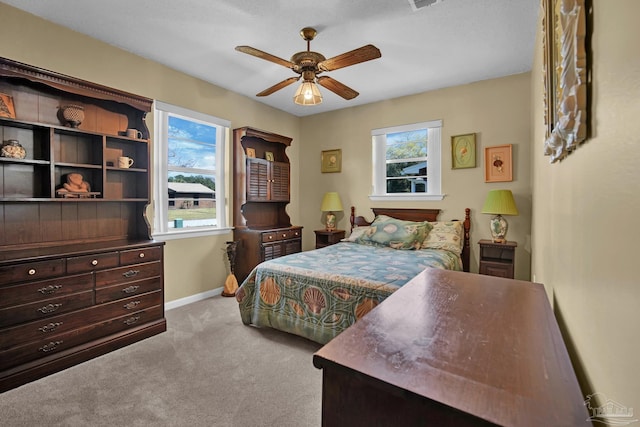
x=419 y=4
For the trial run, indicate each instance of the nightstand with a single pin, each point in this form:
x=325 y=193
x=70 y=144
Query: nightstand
x=327 y=238
x=497 y=259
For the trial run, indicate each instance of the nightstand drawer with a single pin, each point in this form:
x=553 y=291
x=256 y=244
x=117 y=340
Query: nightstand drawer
x=497 y=259
x=497 y=269
x=327 y=238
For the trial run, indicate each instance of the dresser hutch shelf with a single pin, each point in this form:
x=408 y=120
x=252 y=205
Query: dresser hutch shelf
x=79 y=276
x=261 y=190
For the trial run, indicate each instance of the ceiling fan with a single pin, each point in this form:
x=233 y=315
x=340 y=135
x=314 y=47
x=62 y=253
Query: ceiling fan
x=309 y=65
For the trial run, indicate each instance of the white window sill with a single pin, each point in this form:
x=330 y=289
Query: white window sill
x=405 y=197
x=190 y=233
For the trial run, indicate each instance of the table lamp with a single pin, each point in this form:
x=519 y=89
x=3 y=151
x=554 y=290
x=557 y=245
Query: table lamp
x=330 y=203
x=499 y=202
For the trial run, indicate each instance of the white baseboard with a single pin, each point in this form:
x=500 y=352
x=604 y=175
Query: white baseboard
x=192 y=298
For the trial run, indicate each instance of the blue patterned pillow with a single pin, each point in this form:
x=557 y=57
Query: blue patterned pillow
x=395 y=233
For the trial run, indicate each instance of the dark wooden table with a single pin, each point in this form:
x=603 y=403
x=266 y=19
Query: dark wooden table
x=452 y=349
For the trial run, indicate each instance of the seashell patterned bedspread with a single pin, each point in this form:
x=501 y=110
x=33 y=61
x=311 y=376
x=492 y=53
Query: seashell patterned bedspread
x=318 y=294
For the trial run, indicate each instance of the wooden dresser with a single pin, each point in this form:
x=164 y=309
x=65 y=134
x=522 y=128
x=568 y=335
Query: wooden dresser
x=452 y=349
x=62 y=305
x=261 y=193
x=79 y=273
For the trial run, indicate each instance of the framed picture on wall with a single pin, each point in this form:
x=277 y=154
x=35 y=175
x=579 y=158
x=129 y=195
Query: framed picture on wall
x=331 y=161
x=463 y=151
x=498 y=166
x=6 y=106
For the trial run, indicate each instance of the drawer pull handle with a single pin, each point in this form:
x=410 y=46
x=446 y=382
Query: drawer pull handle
x=131 y=305
x=49 y=289
x=32 y=272
x=131 y=273
x=94 y=262
x=131 y=320
x=50 y=347
x=270 y=237
x=49 y=308
x=50 y=327
x=131 y=289
x=141 y=255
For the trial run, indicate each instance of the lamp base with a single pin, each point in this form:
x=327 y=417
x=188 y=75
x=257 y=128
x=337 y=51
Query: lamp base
x=331 y=221
x=499 y=228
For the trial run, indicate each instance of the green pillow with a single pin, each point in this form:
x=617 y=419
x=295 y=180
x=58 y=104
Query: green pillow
x=395 y=233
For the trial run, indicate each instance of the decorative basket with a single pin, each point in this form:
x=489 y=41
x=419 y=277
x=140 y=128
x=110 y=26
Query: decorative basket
x=12 y=149
x=73 y=115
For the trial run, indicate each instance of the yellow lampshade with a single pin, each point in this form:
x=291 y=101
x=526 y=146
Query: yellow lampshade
x=331 y=202
x=308 y=94
x=500 y=202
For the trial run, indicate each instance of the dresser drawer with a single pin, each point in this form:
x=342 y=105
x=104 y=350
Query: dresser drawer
x=45 y=328
x=133 y=304
x=31 y=271
x=135 y=256
x=61 y=341
x=269 y=237
x=42 y=329
x=45 y=308
x=46 y=289
x=277 y=235
x=86 y=263
x=124 y=290
x=128 y=274
x=289 y=234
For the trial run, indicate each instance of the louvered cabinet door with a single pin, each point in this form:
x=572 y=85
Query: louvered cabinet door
x=257 y=180
x=280 y=182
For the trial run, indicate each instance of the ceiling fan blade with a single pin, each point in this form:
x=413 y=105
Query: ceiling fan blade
x=356 y=56
x=336 y=87
x=278 y=86
x=264 y=55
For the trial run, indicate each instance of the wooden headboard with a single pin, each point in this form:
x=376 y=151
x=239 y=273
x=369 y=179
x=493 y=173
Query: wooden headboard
x=420 y=215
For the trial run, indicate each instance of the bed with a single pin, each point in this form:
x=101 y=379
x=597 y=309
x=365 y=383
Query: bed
x=319 y=293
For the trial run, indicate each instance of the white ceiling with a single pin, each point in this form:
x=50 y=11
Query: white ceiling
x=448 y=43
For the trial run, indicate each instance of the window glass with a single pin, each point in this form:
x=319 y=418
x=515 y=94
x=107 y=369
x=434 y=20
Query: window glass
x=190 y=173
x=406 y=162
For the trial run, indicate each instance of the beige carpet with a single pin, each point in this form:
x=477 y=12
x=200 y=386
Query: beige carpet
x=208 y=369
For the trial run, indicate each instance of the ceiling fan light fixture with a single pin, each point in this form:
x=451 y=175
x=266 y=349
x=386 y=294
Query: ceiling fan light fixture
x=308 y=94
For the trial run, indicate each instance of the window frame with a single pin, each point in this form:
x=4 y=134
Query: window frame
x=161 y=230
x=434 y=164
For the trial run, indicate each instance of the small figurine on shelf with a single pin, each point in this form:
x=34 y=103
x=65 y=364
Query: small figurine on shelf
x=75 y=186
x=12 y=149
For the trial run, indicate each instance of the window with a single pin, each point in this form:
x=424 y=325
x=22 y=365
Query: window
x=406 y=162
x=189 y=177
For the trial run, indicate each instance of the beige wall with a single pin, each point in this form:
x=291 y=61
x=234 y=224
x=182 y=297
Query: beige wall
x=584 y=210
x=195 y=265
x=497 y=110
x=583 y=234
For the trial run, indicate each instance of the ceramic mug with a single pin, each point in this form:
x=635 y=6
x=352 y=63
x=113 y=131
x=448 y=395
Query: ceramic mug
x=125 y=162
x=134 y=133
